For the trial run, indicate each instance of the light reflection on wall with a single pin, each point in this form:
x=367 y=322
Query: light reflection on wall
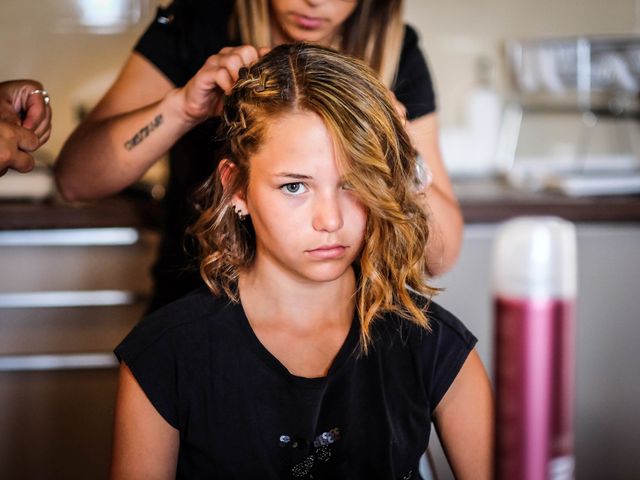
x=103 y=16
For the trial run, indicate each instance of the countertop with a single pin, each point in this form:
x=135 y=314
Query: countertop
x=490 y=200
x=119 y=211
x=482 y=201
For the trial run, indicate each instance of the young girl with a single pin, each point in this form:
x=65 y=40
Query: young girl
x=315 y=351
x=164 y=100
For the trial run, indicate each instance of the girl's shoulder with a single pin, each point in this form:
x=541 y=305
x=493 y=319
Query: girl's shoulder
x=443 y=322
x=167 y=352
x=434 y=355
x=191 y=308
x=180 y=322
x=443 y=325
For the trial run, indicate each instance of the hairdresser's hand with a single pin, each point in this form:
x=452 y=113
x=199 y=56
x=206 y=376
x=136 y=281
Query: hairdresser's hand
x=203 y=95
x=25 y=123
x=401 y=110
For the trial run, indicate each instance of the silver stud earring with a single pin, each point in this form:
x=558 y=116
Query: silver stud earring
x=241 y=215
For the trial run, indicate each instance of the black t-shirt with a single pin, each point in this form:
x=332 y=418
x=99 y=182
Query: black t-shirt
x=242 y=415
x=178 y=42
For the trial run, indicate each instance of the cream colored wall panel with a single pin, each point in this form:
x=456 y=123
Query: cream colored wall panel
x=60 y=268
x=66 y=330
x=56 y=425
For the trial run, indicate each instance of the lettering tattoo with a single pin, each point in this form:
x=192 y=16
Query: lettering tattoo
x=144 y=132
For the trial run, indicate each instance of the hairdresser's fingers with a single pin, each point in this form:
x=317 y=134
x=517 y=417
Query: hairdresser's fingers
x=8 y=114
x=15 y=143
x=225 y=79
x=23 y=162
x=248 y=53
x=45 y=136
x=232 y=62
x=27 y=140
x=203 y=94
x=234 y=59
x=36 y=108
x=210 y=70
x=262 y=51
x=401 y=110
x=204 y=90
x=42 y=125
x=44 y=129
x=16 y=137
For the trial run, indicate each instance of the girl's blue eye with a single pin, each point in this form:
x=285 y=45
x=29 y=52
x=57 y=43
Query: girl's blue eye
x=295 y=188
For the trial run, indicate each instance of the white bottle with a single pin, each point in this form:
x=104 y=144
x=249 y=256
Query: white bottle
x=483 y=115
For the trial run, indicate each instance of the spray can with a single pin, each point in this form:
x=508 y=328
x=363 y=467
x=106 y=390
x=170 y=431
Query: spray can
x=534 y=285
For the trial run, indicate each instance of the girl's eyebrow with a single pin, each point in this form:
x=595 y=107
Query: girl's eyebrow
x=297 y=176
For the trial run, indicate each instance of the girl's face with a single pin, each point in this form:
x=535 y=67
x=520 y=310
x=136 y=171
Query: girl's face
x=308 y=225
x=316 y=21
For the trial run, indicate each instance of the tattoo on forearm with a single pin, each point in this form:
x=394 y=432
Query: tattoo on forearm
x=143 y=133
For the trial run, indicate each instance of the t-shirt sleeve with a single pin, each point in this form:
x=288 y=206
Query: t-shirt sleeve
x=447 y=350
x=183 y=35
x=150 y=353
x=413 y=86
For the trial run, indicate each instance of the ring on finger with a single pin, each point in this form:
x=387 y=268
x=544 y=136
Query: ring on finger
x=44 y=93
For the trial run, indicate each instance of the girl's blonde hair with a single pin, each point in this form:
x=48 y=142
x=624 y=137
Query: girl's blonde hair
x=373 y=33
x=375 y=158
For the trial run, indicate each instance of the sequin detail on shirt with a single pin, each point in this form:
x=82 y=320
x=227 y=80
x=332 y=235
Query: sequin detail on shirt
x=322 y=452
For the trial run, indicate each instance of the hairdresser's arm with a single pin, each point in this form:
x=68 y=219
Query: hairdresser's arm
x=447 y=223
x=145 y=446
x=138 y=120
x=464 y=421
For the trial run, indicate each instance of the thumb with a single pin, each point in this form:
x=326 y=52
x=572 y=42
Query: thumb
x=27 y=140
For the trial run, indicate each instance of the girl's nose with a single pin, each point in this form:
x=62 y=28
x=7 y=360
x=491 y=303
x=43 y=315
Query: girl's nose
x=327 y=214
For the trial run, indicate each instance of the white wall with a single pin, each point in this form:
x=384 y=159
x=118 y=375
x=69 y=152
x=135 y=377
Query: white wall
x=456 y=32
x=73 y=66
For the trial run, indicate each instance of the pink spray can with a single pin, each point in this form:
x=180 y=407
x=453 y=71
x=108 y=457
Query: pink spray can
x=534 y=284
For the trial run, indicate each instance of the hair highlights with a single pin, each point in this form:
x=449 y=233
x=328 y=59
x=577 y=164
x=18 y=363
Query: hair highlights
x=376 y=159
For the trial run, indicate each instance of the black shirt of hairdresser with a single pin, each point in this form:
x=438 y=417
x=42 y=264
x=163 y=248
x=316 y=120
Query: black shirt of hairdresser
x=178 y=42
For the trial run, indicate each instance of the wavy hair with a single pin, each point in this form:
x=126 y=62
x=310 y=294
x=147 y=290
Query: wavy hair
x=375 y=158
x=373 y=32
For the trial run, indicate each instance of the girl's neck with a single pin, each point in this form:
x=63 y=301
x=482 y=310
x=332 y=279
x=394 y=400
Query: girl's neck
x=280 y=300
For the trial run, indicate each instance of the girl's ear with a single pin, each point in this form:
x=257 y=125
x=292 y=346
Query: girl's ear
x=227 y=169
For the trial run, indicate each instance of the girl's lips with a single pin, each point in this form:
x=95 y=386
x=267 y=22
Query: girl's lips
x=308 y=23
x=328 y=253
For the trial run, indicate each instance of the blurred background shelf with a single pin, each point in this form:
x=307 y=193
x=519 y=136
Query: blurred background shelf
x=75 y=279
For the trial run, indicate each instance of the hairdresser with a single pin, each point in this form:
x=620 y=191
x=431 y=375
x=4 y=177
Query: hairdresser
x=163 y=101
